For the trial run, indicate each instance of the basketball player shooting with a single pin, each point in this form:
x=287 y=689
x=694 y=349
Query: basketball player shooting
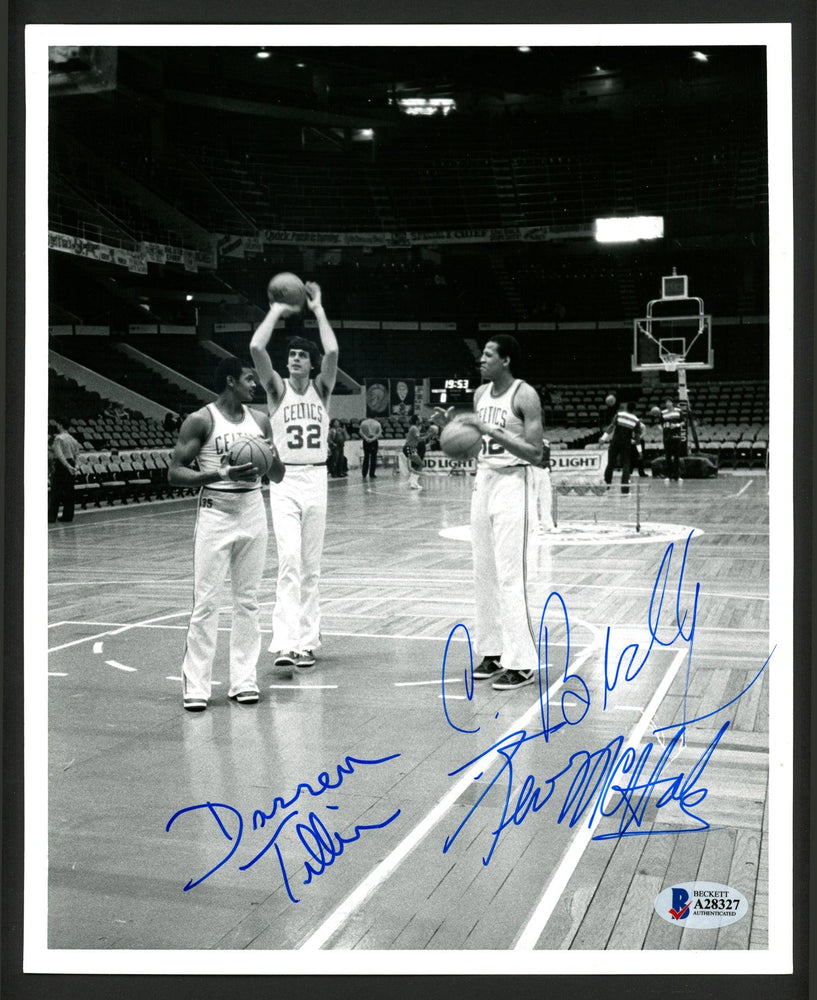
x=299 y=414
x=231 y=533
x=508 y=414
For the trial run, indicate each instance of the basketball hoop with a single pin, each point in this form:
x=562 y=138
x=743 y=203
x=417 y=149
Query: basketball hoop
x=670 y=361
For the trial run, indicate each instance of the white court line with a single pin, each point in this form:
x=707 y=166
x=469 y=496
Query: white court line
x=55 y=674
x=382 y=871
x=740 y=491
x=120 y=666
x=114 y=630
x=553 y=893
x=303 y=687
x=149 y=621
x=408 y=684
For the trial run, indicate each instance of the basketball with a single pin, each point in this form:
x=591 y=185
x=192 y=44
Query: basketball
x=610 y=400
x=460 y=440
x=286 y=288
x=254 y=450
x=655 y=411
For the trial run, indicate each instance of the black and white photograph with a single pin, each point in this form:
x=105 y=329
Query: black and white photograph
x=409 y=531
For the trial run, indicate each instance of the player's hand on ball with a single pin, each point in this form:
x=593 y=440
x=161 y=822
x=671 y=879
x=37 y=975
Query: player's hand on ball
x=313 y=295
x=242 y=473
x=281 y=310
x=441 y=417
x=473 y=420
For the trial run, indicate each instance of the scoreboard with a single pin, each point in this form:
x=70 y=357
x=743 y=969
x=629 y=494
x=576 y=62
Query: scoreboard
x=452 y=391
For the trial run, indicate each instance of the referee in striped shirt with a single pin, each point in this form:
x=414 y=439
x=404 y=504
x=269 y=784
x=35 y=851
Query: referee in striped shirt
x=620 y=434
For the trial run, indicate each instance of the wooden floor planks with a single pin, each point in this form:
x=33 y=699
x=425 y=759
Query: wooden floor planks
x=123 y=756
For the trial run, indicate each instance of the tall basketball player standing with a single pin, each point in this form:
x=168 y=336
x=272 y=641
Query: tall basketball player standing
x=299 y=414
x=508 y=413
x=231 y=533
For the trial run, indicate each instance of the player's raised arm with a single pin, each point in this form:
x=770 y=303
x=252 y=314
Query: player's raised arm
x=329 y=343
x=270 y=379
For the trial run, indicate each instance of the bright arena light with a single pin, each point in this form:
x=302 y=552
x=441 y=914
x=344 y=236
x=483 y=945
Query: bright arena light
x=629 y=230
x=426 y=105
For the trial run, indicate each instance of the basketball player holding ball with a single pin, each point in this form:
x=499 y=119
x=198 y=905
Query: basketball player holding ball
x=508 y=413
x=299 y=414
x=230 y=534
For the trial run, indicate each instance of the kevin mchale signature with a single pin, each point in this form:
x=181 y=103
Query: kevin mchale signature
x=312 y=834
x=615 y=781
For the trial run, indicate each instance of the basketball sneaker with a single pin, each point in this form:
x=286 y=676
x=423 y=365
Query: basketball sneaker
x=245 y=697
x=286 y=659
x=195 y=704
x=511 y=679
x=490 y=667
x=305 y=659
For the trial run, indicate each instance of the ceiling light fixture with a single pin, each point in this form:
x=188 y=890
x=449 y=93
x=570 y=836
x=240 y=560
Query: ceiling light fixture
x=262 y=54
x=700 y=56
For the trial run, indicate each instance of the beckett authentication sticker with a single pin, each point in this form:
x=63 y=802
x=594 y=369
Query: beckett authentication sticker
x=703 y=905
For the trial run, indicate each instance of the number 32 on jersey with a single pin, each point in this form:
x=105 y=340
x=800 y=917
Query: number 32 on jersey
x=300 y=437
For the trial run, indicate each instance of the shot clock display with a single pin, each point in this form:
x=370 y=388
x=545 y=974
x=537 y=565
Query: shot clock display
x=452 y=391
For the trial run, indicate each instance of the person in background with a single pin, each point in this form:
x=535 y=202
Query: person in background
x=543 y=491
x=65 y=450
x=637 y=449
x=414 y=449
x=371 y=431
x=336 y=462
x=619 y=436
x=672 y=423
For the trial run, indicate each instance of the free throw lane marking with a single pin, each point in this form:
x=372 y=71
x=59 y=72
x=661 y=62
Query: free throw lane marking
x=383 y=870
x=553 y=892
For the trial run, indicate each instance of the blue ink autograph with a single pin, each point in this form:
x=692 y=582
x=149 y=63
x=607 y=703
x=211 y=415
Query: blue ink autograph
x=613 y=780
x=321 y=845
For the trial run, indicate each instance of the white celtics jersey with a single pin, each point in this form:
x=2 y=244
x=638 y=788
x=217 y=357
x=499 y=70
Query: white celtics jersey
x=223 y=434
x=300 y=426
x=497 y=411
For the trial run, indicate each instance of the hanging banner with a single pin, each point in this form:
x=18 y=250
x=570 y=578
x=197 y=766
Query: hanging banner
x=377 y=397
x=136 y=259
x=401 y=393
x=508 y=234
x=229 y=246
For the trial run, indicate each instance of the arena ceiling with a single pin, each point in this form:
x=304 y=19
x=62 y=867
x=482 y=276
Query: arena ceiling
x=366 y=81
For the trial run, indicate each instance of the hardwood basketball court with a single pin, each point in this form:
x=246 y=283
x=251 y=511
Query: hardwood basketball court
x=125 y=761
